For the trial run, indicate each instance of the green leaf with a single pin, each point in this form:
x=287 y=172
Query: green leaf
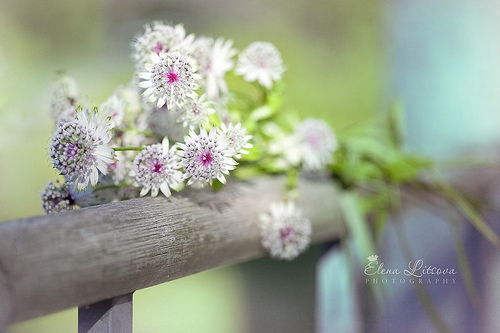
x=357 y=226
x=395 y=124
x=403 y=168
x=214 y=119
x=261 y=113
x=468 y=211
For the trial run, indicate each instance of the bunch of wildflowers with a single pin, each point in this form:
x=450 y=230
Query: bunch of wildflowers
x=177 y=123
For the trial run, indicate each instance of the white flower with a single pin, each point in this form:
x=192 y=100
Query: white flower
x=237 y=138
x=157 y=168
x=79 y=148
x=317 y=143
x=169 y=79
x=285 y=233
x=63 y=97
x=215 y=60
x=160 y=38
x=130 y=94
x=58 y=198
x=206 y=156
x=260 y=61
x=287 y=151
x=195 y=113
x=114 y=108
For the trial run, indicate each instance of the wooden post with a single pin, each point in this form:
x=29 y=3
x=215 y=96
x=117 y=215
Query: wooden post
x=113 y=315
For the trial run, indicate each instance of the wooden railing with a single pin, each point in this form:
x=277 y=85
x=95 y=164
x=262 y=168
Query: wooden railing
x=96 y=257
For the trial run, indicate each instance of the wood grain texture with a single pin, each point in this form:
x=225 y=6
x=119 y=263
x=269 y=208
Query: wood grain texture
x=50 y=263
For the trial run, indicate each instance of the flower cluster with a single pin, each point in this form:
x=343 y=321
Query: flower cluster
x=178 y=123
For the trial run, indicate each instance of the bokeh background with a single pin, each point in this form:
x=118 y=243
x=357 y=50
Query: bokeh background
x=347 y=60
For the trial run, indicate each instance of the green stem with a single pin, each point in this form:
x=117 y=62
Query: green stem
x=357 y=225
x=128 y=149
x=463 y=262
x=422 y=293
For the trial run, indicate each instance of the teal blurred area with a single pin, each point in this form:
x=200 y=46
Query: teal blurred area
x=442 y=61
x=333 y=54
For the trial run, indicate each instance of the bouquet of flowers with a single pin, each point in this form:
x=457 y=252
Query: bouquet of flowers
x=198 y=111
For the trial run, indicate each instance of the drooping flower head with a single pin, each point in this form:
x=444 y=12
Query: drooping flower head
x=58 y=197
x=215 y=60
x=262 y=62
x=160 y=38
x=195 y=113
x=206 y=156
x=79 y=148
x=157 y=168
x=285 y=233
x=169 y=79
x=237 y=138
x=317 y=143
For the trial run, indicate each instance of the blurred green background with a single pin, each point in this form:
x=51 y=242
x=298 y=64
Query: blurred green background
x=333 y=53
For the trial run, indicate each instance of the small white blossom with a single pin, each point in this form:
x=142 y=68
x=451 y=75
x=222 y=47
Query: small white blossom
x=63 y=97
x=317 y=143
x=237 y=138
x=157 y=168
x=195 y=113
x=287 y=151
x=114 y=108
x=206 y=156
x=169 y=79
x=130 y=94
x=285 y=233
x=215 y=60
x=79 y=148
x=160 y=38
x=262 y=62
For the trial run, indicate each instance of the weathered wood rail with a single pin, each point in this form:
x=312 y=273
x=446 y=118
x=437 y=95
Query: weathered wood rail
x=87 y=256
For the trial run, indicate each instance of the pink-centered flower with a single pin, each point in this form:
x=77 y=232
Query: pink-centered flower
x=317 y=142
x=206 y=156
x=285 y=233
x=114 y=108
x=262 y=62
x=215 y=60
x=79 y=148
x=169 y=79
x=196 y=112
x=237 y=138
x=157 y=168
x=160 y=38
